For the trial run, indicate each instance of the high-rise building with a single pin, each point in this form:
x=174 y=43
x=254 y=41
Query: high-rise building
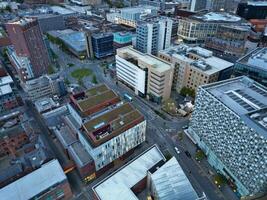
x=253 y=65
x=102 y=44
x=195 y=66
x=29 y=46
x=197 y=5
x=153 y=34
x=147 y=75
x=229 y=124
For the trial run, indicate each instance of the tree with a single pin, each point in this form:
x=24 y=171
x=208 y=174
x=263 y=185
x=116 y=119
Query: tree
x=94 y=79
x=187 y=91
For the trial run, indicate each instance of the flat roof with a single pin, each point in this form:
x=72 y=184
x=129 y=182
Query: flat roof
x=171 y=182
x=79 y=154
x=118 y=185
x=27 y=187
x=5 y=80
x=138 y=9
x=44 y=104
x=5 y=89
x=157 y=64
x=61 y=10
x=217 y=17
x=76 y=40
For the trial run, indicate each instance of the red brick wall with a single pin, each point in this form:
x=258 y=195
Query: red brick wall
x=140 y=186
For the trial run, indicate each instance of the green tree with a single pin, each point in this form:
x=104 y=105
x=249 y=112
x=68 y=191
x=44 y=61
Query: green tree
x=187 y=91
x=94 y=79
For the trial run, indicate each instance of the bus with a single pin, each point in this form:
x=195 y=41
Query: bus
x=128 y=97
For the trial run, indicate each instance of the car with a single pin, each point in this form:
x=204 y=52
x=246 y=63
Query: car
x=188 y=154
x=177 y=150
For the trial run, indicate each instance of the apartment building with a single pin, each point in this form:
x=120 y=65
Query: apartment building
x=229 y=125
x=29 y=55
x=229 y=40
x=147 y=75
x=44 y=86
x=153 y=34
x=253 y=65
x=196 y=28
x=195 y=66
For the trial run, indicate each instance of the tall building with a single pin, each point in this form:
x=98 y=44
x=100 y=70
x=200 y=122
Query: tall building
x=195 y=66
x=252 y=10
x=86 y=2
x=147 y=75
x=229 y=40
x=197 y=5
x=153 y=34
x=253 y=65
x=102 y=44
x=196 y=28
x=29 y=46
x=229 y=124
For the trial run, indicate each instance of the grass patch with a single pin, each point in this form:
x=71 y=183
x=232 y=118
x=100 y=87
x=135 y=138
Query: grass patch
x=70 y=65
x=79 y=74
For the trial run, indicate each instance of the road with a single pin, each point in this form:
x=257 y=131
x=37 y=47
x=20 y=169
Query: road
x=156 y=131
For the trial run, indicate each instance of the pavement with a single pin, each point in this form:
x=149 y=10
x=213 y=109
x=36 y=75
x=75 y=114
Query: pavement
x=160 y=131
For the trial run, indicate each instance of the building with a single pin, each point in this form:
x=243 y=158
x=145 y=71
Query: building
x=153 y=34
x=45 y=86
x=47 y=182
x=122 y=39
x=88 y=31
x=229 y=40
x=49 y=22
x=129 y=16
x=45 y=104
x=147 y=75
x=8 y=98
x=163 y=180
x=86 y=2
x=29 y=47
x=44 y=1
x=102 y=44
x=253 y=65
x=161 y=4
x=195 y=66
x=229 y=125
x=4 y=39
x=252 y=10
x=197 y=5
x=196 y=28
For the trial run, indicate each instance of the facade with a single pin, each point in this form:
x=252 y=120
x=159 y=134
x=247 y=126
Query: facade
x=197 y=5
x=229 y=125
x=252 y=10
x=196 y=28
x=129 y=16
x=160 y=4
x=46 y=182
x=195 y=66
x=102 y=44
x=253 y=65
x=88 y=31
x=8 y=99
x=229 y=40
x=26 y=37
x=122 y=39
x=44 y=86
x=153 y=34
x=147 y=75
x=49 y=22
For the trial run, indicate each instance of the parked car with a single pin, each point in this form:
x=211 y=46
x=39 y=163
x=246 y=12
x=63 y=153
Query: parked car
x=177 y=150
x=188 y=154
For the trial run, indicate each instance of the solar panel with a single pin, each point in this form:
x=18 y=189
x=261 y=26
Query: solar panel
x=258 y=90
x=250 y=98
x=240 y=102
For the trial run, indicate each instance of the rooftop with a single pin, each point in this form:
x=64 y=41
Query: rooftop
x=12 y=132
x=102 y=34
x=112 y=123
x=5 y=89
x=217 y=17
x=138 y=9
x=257 y=3
x=44 y=104
x=34 y=183
x=257 y=58
x=5 y=80
x=155 y=63
x=242 y=95
x=22 y=21
x=171 y=182
x=76 y=40
x=118 y=185
x=61 y=10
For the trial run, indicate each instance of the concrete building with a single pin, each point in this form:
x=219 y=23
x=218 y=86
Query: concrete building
x=229 y=40
x=196 y=28
x=147 y=75
x=47 y=182
x=253 y=65
x=153 y=34
x=8 y=99
x=49 y=22
x=195 y=66
x=197 y=5
x=44 y=86
x=252 y=10
x=161 y=4
x=29 y=47
x=86 y=2
x=129 y=16
x=229 y=125
x=102 y=44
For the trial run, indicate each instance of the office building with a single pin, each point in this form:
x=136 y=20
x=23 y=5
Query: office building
x=229 y=125
x=8 y=98
x=252 y=10
x=129 y=16
x=195 y=66
x=153 y=34
x=230 y=40
x=88 y=31
x=147 y=75
x=196 y=28
x=253 y=65
x=161 y=4
x=102 y=44
x=44 y=86
x=29 y=47
x=197 y=5
x=122 y=39
x=46 y=182
x=86 y=2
